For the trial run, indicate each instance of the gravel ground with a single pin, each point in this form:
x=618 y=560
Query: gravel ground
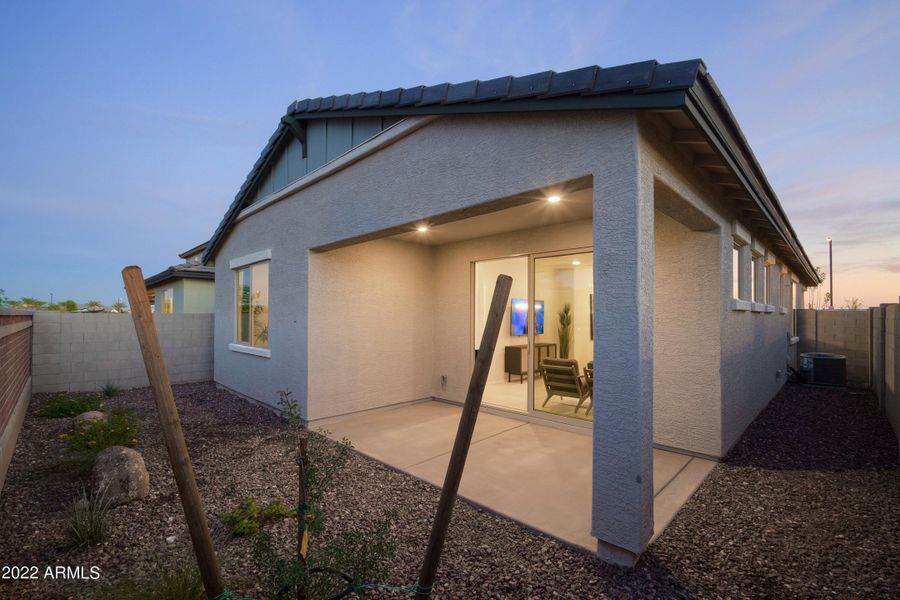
x=806 y=505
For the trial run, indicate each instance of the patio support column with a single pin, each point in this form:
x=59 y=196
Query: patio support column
x=622 y=516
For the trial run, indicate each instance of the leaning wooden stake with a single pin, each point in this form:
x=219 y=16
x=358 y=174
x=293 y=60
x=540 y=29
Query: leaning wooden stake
x=302 y=519
x=463 y=436
x=171 y=428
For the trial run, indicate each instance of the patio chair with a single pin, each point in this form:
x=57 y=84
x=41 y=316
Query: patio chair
x=589 y=379
x=561 y=378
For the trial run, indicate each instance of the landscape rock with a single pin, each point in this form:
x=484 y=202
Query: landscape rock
x=89 y=417
x=121 y=472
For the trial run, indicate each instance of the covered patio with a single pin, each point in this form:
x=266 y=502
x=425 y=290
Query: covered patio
x=537 y=474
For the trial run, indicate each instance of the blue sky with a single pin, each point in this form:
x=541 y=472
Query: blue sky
x=127 y=127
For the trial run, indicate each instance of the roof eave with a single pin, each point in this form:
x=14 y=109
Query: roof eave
x=711 y=114
x=172 y=274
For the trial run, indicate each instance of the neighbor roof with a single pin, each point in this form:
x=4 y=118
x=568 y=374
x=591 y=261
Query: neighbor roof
x=188 y=271
x=682 y=85
x=196 y=249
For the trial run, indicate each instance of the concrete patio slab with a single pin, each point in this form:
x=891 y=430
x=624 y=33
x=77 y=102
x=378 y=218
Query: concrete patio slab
x=536 y=474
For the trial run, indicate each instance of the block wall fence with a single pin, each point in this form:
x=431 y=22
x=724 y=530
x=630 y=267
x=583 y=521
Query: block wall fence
x=870 y=339
x=84 y=351
x=15 y=379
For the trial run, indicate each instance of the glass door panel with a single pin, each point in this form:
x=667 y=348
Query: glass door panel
x=563 y=334
x=507 y=384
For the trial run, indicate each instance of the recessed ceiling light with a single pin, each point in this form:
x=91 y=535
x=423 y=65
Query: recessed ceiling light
x=553 y=199
x=576 y=262
x=422 y=228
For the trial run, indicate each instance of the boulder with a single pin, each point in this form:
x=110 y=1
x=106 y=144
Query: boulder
x=121 y=472
x=89 y=417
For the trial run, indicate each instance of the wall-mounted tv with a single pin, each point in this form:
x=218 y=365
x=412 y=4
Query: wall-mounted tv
x=518 y=317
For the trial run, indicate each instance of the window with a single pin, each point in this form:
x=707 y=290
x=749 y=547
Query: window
x=253 y=305
x=759 y=278
x=168 y=303
x=741 y=278
x=735 y=271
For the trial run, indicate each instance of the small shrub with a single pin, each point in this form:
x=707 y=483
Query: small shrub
x=120 y=429
x=64 y=405
x=87 y=521
x=247 y=518
x=290 y=409
x=177 y=580
x=110 y=390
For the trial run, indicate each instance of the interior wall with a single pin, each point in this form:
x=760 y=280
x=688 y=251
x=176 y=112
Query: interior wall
x=453 y=356
x=486 y=273
x=371 y=326
x=686 y=410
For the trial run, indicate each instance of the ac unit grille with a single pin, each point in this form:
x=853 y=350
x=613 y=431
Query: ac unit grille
x=824 y=368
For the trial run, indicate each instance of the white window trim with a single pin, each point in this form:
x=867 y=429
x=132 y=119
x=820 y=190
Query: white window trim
x=249 y=259
x=243 y=349
x=757 y=307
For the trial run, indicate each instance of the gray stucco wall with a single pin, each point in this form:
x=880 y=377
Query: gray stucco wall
x=82 y=352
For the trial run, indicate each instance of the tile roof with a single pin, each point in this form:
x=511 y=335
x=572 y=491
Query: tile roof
x=639 y=78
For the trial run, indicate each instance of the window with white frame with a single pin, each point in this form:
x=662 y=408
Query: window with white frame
x=168 y=301
x=252 y=323
x=741 y=278
x=759 y=277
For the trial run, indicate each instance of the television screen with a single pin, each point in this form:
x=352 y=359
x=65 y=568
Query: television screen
x=518 y=317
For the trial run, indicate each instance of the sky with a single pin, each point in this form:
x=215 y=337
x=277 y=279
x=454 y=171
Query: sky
x=126 y=128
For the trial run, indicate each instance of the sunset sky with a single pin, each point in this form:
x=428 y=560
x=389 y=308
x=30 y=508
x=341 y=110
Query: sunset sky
x=127 y=127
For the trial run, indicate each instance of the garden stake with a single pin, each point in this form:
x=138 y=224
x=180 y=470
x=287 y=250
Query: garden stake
x=172 y=433
x=463 y=436
x=302 y=528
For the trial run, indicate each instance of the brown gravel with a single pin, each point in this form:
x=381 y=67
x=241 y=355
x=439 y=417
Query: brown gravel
x=806 y=505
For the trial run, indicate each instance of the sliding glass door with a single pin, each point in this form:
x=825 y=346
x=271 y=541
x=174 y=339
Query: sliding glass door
x=548 y=318
x=564 y=346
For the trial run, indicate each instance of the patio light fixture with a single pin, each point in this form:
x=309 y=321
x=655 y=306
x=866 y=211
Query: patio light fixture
x=553 y=199
x=576 y=262
x=422 y=228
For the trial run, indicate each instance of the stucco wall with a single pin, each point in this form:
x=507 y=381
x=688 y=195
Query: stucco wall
x=75 y=351
x=413 y=178
x=686 y=394
x=189 y=296
x=371 y=326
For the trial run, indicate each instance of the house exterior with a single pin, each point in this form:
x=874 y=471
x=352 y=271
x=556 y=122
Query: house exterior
x=355 y=263
x=185 y=288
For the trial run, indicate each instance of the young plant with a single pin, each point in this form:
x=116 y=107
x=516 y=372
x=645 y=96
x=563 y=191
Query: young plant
x=248 y=517
x=176 y=580
x=120 y=429
x=64 y=405
x=87 y=519
x=364 y=554
x=110 y=390
x=289 y=409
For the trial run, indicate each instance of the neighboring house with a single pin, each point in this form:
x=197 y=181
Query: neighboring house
x=185 y=288
x=356 y=263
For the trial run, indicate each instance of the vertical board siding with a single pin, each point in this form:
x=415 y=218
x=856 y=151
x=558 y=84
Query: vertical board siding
x=15 y=366
x=326 y=139
x=338 y=137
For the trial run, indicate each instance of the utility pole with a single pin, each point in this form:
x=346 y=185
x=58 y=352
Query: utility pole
x=830 y=278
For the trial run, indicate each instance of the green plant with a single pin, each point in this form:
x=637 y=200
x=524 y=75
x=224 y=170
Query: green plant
x=289 y=409
x=243 y=520
x=87 y=518
x=53 y=306
x=69 y=305
x=564 y=330
x=364 y=553
x=64 y=405
x=94 y=304
x=119 y=429
x=118 y=306
x=175 y=580
x=248 y=517
x=110 y=390
x=28 y=302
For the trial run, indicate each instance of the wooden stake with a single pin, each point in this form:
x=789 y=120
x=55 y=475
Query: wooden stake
x=464 y=436
x=302 y=525
x=171 y=428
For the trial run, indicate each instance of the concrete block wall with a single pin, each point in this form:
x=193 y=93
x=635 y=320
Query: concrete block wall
x=844 y=332
x=891 y=366
x=84 y=351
